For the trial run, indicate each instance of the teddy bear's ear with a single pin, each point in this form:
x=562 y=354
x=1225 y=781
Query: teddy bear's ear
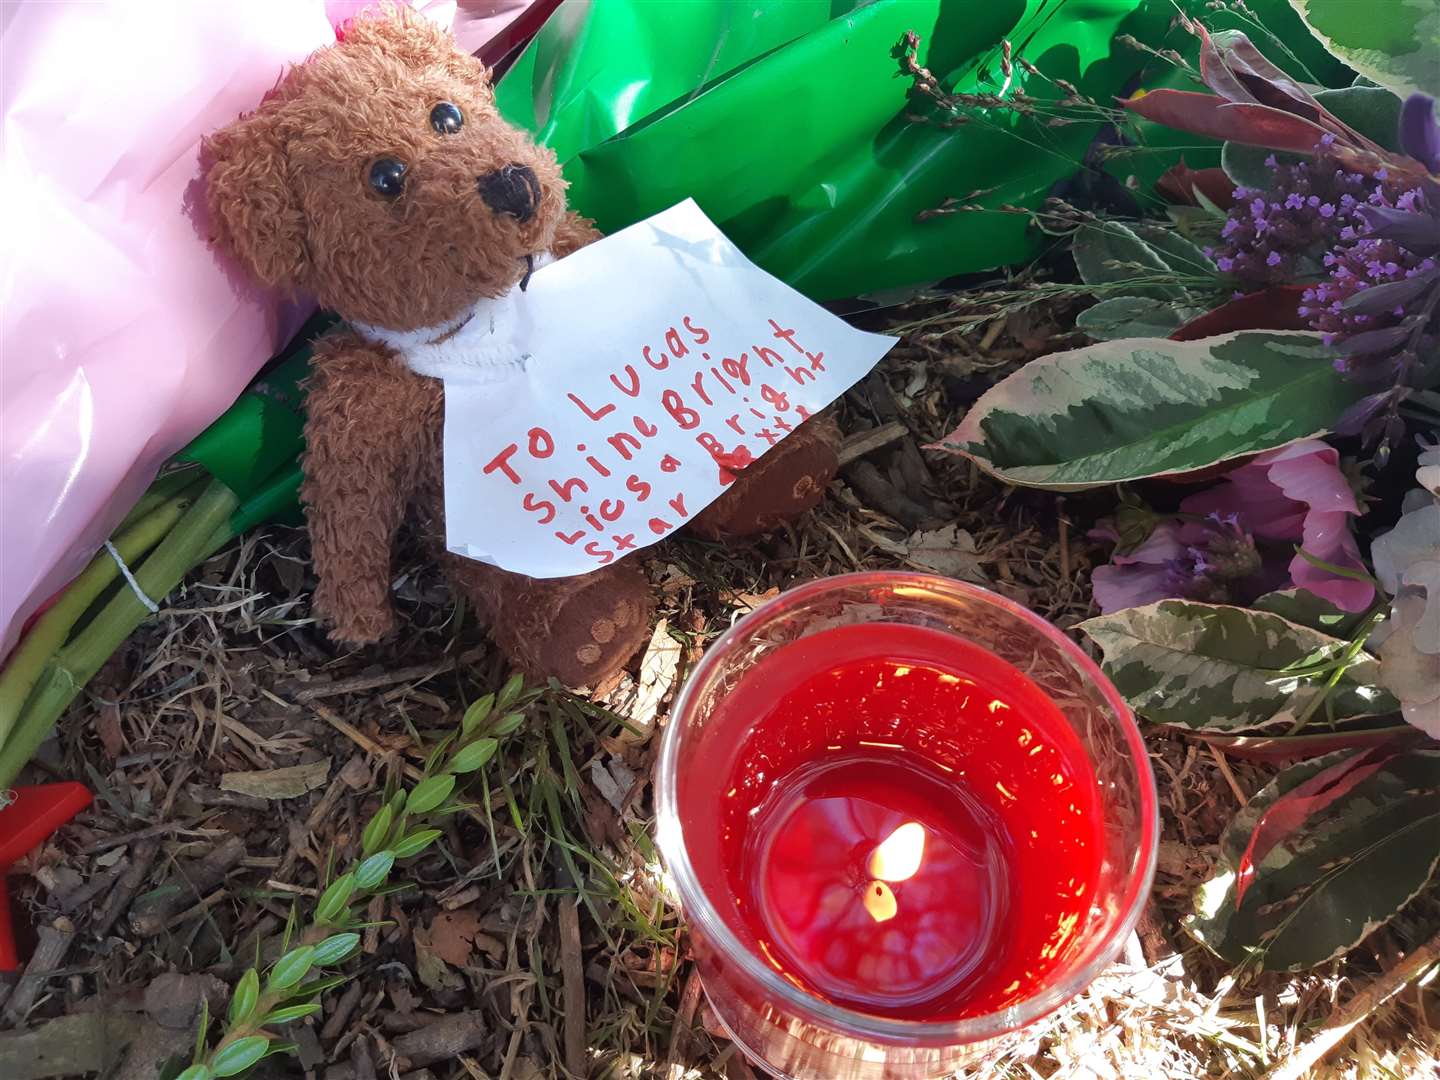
x=254 y=214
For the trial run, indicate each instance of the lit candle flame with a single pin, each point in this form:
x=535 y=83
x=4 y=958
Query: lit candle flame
x=879 y=901
x=899 y=854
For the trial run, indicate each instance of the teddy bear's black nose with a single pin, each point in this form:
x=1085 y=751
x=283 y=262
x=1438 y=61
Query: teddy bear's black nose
x=513 y=190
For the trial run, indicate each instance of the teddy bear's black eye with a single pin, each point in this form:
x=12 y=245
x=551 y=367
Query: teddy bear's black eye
x=446 y=119
x=387 y=177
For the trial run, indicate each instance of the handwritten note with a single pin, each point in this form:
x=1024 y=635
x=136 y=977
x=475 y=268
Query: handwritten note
x=651 y=368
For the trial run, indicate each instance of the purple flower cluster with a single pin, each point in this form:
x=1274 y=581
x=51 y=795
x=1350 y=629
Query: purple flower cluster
x=1373 y=243
x=1380 y=305
x=1276 y=236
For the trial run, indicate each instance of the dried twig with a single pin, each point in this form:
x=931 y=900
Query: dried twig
x=1309 y=1053
x=49 y=954
x=573 y=974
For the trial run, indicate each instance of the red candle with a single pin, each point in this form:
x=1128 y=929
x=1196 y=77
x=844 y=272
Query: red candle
x=905 y=816
x=904 y=823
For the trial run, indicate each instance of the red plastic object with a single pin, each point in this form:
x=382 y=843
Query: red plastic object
x=35 y=813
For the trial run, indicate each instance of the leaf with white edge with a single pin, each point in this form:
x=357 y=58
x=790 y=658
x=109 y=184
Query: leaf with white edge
x=428 y=794
x=334 y=899
x=1181 y=254
x=1124 y=410
x=1395 y=44
x=477 y=714
x=376 y=831
x=239 y=1055
x=291 y=1012
x=416 y=842
x=372 y=871
x=1346 y=871
x=242 y=1001
x=1209 y=667
x=195 y=1072
x=335 y=948
x=469 y=758
x=1132 y=316
x=291 y=968
x=1110 y=252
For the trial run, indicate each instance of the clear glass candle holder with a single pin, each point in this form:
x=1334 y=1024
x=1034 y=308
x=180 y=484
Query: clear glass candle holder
x=794 y=1033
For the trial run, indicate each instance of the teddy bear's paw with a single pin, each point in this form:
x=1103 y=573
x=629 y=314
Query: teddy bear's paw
x=581 y=631
x=355 y=617
x=783 y=484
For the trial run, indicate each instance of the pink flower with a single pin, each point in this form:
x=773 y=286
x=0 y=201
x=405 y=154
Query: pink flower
x=1236 y=541
x=1213 y=560
x=1297 y=493
x=1143 y=576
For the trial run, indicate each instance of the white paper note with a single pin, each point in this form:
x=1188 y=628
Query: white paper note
x=640 y=360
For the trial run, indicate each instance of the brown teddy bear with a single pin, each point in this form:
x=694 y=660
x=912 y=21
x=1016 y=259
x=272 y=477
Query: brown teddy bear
x=379 y=178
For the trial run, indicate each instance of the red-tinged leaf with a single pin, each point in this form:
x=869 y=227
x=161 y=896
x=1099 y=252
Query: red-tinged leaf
x=1273 y=308
x=1259 y=80
x=1216 y=74
x=1282 y=749
x=1207 y=114
x=1178 y=184
x=1294 y=808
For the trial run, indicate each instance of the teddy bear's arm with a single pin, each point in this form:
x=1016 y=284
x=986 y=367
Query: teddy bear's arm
x=367 y=420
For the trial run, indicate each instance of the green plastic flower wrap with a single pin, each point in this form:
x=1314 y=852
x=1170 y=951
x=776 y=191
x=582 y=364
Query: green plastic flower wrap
x=791 y=123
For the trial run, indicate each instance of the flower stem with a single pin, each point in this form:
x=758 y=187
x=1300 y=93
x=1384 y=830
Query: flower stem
x=19 y=676
x=1342 y=664
x=72 y=666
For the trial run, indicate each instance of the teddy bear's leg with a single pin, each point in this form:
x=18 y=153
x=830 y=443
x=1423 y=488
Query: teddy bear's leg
x=579 y=630
x=781 y=485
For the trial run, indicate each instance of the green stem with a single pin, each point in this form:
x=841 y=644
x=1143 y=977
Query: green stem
x=1342 y=664
x=162 y=490
x=71 y=667
x=18 y=677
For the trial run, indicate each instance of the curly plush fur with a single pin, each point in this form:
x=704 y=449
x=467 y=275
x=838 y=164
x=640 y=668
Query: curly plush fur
x=289 y=194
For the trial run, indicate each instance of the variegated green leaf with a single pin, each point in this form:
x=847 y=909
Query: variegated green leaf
x=1215 y=668
x=1306 y=608
x=1395 y=44
x=1122 y=410
x=1343 y=873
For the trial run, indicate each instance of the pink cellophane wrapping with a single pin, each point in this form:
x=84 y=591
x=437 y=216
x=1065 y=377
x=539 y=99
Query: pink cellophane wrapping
x=122 y=336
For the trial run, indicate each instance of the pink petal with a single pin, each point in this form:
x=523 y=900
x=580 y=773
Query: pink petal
x=1119 y=587
x=1140 y=577
x=1309 y=472
x=1249 y=494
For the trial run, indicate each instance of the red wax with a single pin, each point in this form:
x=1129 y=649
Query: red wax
x=901 y=822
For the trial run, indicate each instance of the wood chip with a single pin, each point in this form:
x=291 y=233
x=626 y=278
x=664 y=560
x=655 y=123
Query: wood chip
x=867 y=442
x=287 y=783
x=66 y=1046
x=657 y=677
